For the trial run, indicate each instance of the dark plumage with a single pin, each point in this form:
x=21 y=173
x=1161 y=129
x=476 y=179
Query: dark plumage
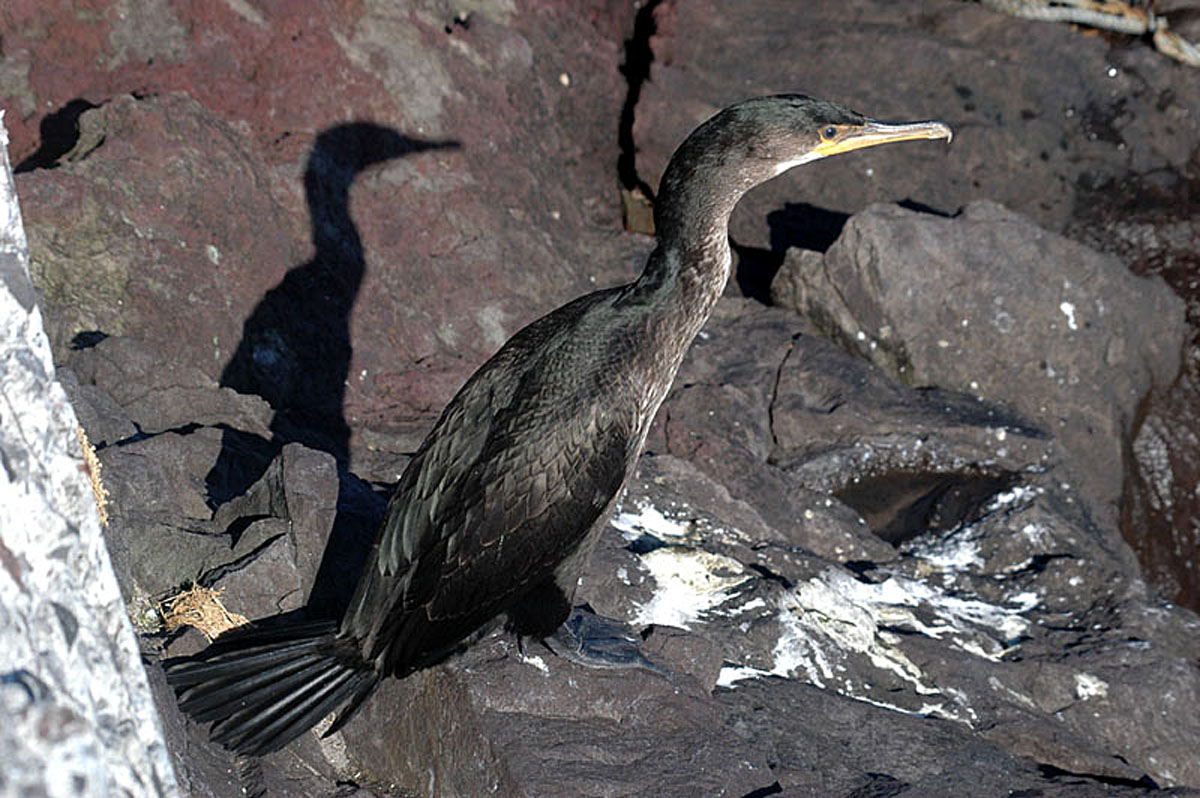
x=504 y=497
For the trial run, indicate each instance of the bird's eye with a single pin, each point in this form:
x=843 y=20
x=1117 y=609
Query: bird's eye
x=829 y=133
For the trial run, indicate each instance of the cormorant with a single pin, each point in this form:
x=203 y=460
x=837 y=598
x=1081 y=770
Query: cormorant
x=501 y=505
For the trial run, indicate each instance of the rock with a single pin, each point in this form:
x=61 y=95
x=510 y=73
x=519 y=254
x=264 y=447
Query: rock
x=968 y=616
x=156 y=489
x=827 y=560
x=846 y=758
x=1029 y=141
x=497 y=722
x=893 y=287
x=1084 y=134
x=531 y=216
x=293 y=543
x=156 y=393
x=78 y=715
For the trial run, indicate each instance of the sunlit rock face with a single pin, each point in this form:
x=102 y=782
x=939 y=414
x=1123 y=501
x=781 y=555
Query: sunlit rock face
x=831 y=554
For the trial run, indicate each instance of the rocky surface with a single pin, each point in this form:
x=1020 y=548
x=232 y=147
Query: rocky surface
x=1041 y=311
x=270 y=245
x=1088 y=134
x=491 y=129
x=78 y=719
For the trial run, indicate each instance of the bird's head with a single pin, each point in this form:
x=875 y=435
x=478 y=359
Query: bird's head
x=753 y=141
x=788 y=130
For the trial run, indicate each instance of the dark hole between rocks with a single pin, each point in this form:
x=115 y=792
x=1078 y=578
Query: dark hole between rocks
x=60 y=134
x=768 y=574
x=879 y=785
x=141 y=435
x=900 y=505
x=859 y=568
x=1056 y=773
x=87 y=339
x=240 y=525
x=1039 y=562
x=644 y=544
x=920 y=207
x=636 y=71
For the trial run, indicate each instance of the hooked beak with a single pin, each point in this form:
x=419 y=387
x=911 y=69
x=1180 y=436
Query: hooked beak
x=875 y=132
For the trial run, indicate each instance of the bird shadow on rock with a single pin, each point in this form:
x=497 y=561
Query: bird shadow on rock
x=295 y=349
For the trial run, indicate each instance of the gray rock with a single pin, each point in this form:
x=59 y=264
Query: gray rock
x=847 y=757
x=988 y=303
x=1004 y=608
x=494 y=721
x=156 y=394
x=78 y=718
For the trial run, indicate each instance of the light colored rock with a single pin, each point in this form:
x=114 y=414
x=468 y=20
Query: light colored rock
x=79 y=719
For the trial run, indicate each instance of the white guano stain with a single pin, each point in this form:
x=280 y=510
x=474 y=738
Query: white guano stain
x=647 y=519
x=1088 y=686
x=1068 y=310
x=689 y=583
x=827 y=619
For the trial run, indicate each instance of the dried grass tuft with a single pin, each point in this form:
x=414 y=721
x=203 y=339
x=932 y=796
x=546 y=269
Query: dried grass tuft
x=92 y=465
x=201 y=608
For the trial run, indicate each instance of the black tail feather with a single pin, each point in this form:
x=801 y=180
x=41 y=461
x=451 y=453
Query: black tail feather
x=251 y=719
x=361 y=694
x=262 y=690
x=271 y=731
x=256 y=689
x=252 y=659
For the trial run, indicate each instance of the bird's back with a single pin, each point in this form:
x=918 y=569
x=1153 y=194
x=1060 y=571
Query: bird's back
x=521 y=465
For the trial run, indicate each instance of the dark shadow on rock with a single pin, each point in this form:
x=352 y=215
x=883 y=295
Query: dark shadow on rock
x=795 y=225
x=754 y=269
x=804 y=226
x=295 y=347
x=360 y=511
x=920 y=207
x=60 y=134
x=295 y=353
x=243 y=459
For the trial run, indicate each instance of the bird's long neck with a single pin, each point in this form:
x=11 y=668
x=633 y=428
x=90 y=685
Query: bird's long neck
x=689 y=268
x=686 y=274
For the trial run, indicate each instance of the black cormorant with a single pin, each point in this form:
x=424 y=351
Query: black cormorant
x=501 y=504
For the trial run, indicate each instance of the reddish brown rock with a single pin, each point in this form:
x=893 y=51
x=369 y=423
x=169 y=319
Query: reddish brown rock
x=186 y=188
